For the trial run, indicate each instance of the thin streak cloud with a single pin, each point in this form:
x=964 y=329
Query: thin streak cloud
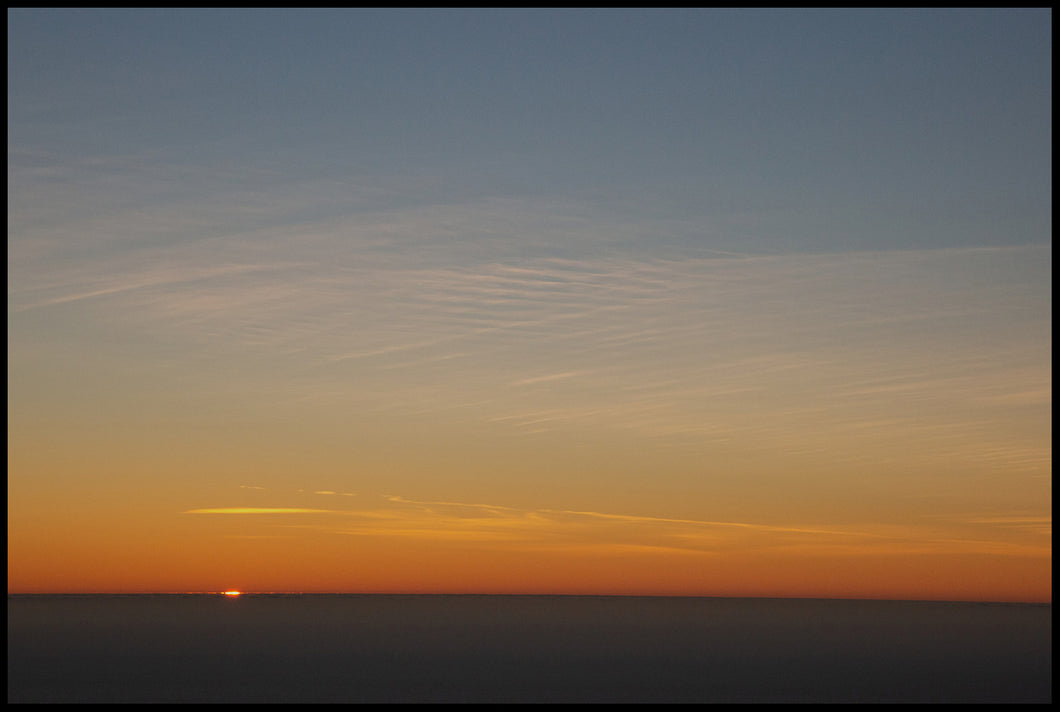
x=545 y=379
x=259 y=510
x=573 y=531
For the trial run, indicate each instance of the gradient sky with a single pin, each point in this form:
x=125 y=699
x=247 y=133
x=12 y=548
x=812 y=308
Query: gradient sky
x=696 y=302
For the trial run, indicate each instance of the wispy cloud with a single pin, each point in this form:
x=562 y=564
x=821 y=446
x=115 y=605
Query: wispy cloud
x=544 y=379
x=1041 y=525
x=258 y=510
x=574 y=531
x=508 y=312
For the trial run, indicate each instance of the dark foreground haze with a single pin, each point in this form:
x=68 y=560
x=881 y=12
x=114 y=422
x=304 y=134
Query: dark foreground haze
x=484 y=648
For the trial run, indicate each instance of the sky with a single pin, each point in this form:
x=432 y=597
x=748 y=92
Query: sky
x=657 y=302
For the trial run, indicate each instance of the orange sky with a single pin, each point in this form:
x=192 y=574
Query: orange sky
x=404 y=503
x=334 y=541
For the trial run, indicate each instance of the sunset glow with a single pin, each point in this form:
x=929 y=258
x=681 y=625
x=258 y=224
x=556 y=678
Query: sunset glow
x=689 y=302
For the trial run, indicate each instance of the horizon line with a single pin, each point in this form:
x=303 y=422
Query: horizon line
x=526 y=594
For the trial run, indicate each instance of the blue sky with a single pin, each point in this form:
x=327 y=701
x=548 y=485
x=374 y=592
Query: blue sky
x=788 y=267
x=828 y=129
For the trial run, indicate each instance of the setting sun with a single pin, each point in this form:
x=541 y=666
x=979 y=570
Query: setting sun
x=232 y=594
